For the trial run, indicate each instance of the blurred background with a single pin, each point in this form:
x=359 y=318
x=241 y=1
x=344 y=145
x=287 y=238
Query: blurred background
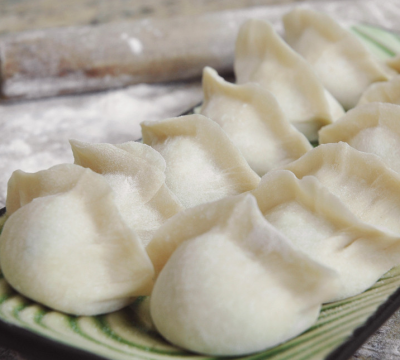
x=94 y=69
x=22 y=15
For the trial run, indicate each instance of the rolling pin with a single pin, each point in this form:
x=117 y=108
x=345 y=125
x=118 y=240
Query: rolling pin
x=69 y=60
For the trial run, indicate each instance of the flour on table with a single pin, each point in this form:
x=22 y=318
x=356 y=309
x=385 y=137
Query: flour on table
x=35 y=134
x=134 y=44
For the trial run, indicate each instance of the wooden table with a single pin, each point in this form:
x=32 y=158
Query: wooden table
x=25 y=15
x=22 y=15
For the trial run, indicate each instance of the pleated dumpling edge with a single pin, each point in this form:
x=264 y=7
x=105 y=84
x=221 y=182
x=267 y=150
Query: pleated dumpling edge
x=254 y=121
x=136 y=173
x=261 y=56
x=234 y=258
x=202 y=163
x=70 y=231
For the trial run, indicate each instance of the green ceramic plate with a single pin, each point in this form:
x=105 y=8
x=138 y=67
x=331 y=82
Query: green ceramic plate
x=129 y=334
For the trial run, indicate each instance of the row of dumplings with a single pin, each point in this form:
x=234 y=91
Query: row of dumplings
x=234 y=263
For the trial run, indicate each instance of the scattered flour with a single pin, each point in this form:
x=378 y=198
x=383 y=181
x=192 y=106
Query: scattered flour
x=35 y=134
x=134 y=44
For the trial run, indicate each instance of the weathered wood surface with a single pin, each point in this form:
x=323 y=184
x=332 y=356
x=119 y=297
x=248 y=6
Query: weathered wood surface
x=29 y=144
x=23 y=15
x=82 y=59
x=70 y=60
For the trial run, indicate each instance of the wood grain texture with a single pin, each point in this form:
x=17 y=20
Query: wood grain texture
x=384 y=344
x=78 y=59
x=22 y=15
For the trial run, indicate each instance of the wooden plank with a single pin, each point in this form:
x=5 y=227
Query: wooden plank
x=23 y=15
x=90 y=58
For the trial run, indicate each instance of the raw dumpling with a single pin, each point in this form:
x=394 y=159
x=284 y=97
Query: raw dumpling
x=136 y=174
x=187 y=224
x=235 y=285
x=372 y=128
x=23 y=187
x=74 y=252
x=254 y=122
x=368 y=188
x=261 y=56
x=319 y=224
x=385 y=91
x=340 y=60
x=202 y=163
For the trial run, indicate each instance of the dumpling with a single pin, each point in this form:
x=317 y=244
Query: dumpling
x=23 y=187
x=319 y=224
x=235 y=285
x=261 y=56
x=254 y=122
x=368 y=188
x=202 y=163
x=190 y=222
x=372 y=128
x=385 y=92
x=74 y=252
x=136 y=174
x=340 y=60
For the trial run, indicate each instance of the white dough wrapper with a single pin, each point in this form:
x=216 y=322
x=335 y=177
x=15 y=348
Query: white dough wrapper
x=73 y=252
x=261 y=56
x=136 y=174
x=344 y=65
x=372 y=128
x=202 y=163
x=368 y=188
x=23 y=187
x=321 y=226
x=235 y=285
x=253 y=120
x=384 y=91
